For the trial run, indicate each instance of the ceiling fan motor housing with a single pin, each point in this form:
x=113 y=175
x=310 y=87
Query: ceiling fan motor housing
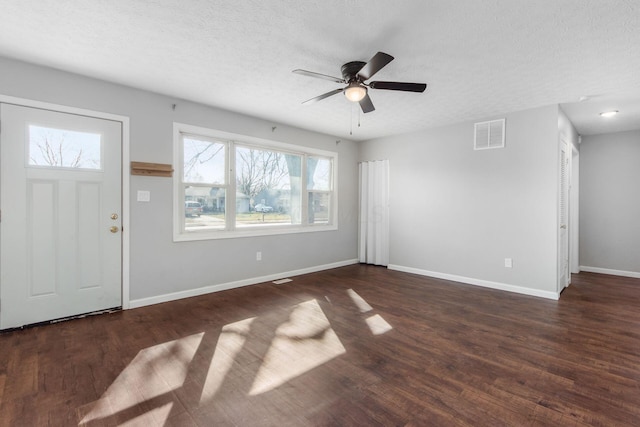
x=350 y=70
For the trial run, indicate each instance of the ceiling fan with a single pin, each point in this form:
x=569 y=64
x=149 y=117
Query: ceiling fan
x=354 y=75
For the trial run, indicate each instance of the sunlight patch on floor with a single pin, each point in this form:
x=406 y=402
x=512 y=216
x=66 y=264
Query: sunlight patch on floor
x=360 y=302
x=378 y=325
x=155 y=417
x=230 y=342
x=155 y=371
x=301 y=344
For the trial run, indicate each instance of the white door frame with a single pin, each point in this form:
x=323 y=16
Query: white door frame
x=125 y=167
x=574 y=212
x=566 y=254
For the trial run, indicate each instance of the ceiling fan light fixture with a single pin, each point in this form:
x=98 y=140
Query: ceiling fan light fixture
x=355 y=92
x=609 y=113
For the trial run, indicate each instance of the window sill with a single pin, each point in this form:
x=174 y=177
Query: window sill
x=189 y=236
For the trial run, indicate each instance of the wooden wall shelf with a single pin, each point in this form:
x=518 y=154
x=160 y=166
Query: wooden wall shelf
x=151 y=169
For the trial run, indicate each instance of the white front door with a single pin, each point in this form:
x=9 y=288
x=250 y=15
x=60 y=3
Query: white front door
x=60 y=225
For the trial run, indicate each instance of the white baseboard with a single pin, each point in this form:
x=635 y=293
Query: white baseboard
x=237 y=284
x=478 y=282
x=623 y=273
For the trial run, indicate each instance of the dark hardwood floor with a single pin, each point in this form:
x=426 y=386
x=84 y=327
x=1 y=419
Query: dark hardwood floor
x=354 y=346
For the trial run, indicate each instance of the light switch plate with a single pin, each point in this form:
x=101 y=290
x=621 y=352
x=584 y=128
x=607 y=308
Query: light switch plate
x=144 y=196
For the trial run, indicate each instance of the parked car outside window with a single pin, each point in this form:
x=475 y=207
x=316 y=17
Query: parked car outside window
x=192 y=209
x=262 y=208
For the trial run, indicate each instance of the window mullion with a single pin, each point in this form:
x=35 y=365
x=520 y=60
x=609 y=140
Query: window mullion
x=230 y=201
x=304 y=221
x=181 y=195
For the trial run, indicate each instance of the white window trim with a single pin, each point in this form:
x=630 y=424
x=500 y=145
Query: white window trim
x=181 y=235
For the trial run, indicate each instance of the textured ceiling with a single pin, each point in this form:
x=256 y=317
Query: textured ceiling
x=480 y=58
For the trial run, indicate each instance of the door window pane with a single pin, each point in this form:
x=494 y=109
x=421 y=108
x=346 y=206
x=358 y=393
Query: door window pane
x=61 y=148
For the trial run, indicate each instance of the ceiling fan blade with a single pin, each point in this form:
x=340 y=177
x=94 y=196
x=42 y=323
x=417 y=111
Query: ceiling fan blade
x=323 y=96
x=318 y=76
x=366 y=104
x=407 y=87
x=374 y=65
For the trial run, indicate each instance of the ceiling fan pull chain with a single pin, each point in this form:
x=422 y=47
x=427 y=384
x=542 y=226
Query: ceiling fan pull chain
x=358 y=118
x=351 y=122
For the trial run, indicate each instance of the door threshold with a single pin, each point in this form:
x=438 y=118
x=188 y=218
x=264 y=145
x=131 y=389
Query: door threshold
x=63 y=319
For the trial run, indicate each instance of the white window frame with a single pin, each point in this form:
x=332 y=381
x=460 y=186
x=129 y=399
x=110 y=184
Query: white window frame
x=231 y=231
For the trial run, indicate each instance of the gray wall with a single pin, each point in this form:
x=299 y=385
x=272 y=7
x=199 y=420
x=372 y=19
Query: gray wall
x=610 y=202
x=158 y=265
x=460 y=212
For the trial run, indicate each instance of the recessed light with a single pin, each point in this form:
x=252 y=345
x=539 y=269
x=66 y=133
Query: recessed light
x=609 y=113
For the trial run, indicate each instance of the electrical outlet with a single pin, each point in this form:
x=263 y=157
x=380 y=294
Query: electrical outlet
x=508 y=263
x=258 y=256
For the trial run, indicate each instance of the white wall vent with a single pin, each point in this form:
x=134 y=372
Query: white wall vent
x=489 y=135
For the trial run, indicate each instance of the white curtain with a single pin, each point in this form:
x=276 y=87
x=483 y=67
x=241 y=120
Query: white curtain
x=374 y=212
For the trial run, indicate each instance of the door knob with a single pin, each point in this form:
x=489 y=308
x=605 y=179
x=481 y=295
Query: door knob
x=114 y=229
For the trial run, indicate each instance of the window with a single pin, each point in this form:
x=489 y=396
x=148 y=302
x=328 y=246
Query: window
x=60 y=148
x=230 y=185
x=204 y=182
x=319 y=186
x=268 y=182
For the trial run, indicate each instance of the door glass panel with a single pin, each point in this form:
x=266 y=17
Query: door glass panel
x=62 y=148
